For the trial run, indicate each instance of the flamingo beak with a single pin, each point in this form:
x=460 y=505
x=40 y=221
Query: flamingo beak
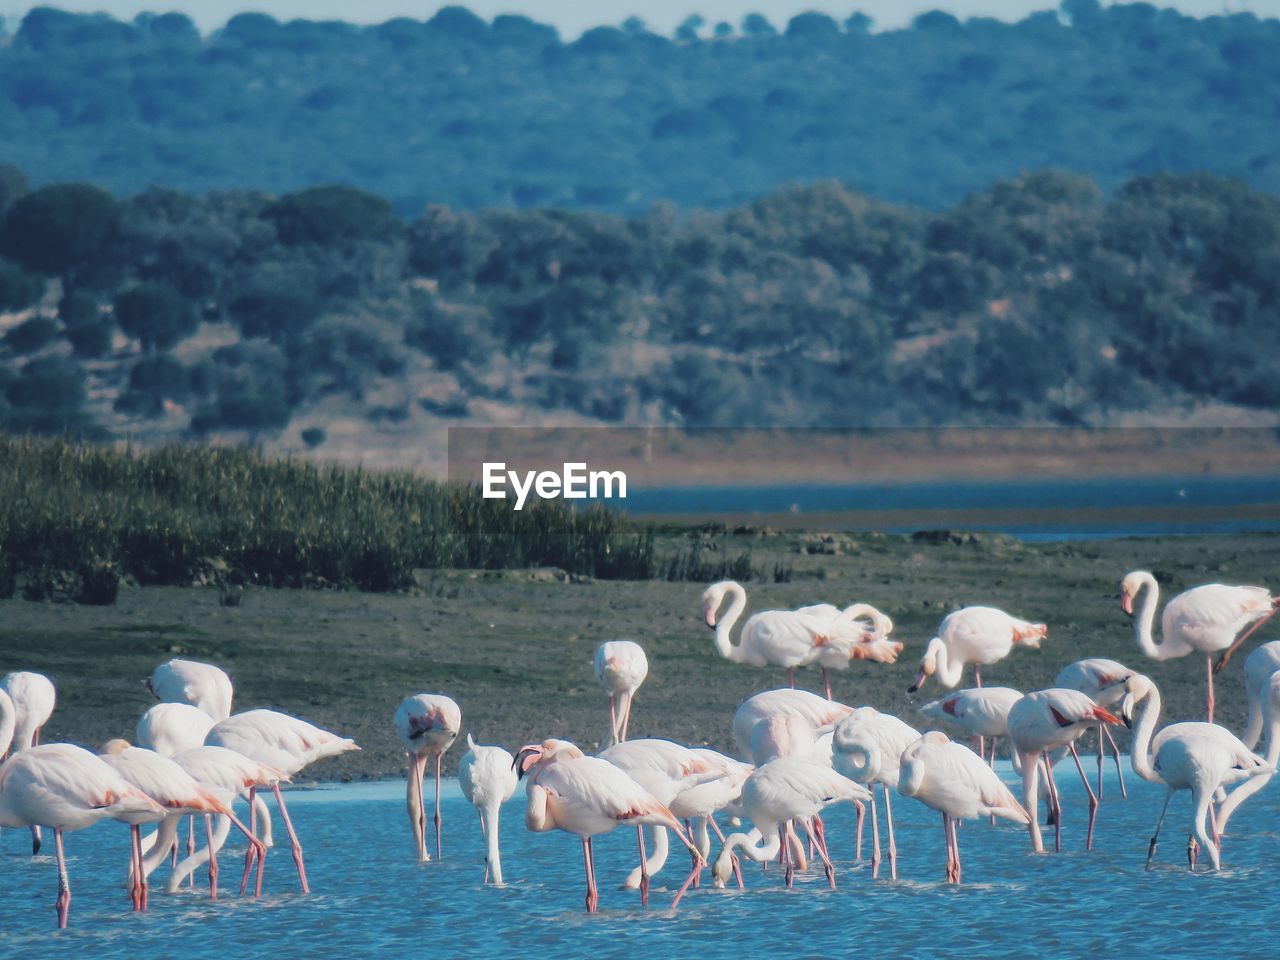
x=1126 y=602
x=526 y=757
x=921 y=676
x=710 y=616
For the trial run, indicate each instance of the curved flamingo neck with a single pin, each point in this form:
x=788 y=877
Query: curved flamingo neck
x=754 y=845
x=947 y=670
x=1140 y=750
x=1146 y=619
x=880 y=624
x=8 y=722
x=724 y=627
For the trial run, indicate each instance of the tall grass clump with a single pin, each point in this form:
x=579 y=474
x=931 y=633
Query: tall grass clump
x=162 y=515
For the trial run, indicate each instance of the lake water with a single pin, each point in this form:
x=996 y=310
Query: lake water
x=1044 y=509
x=371 y=898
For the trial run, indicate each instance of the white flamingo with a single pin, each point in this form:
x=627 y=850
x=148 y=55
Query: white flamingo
x=1204 y=619
x=427 y=724
x=488 y=779
x=977 y=635
x=1100 y=680
x=33 y=697
x=1200 y=757
x=620 y=667
x=189 y=681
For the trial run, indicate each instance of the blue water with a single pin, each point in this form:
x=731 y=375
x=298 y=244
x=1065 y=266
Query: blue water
x=1119 y=494
x=371 y=898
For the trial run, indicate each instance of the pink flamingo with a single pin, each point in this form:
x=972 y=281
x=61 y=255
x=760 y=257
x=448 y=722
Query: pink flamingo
x=427 y=724
x=977 y=635
x=620 y=667
x=982 y=711
x=1204 y=619
x=33 y=697
x=1100 y=680
x=283 y=742
x=587 y=796
x=189 y=681
x=64 y=787
x=952 y=779
x=1040 y=724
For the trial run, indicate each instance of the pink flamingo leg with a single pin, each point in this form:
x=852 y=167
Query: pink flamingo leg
x=135 y=895
x=293 y=839
x=955 y=849
x=826 y=683
x=256 y=846
x=822 y=853
x=1115 y=752
x=484 y=834
x=857 y=855
x=893 y=848
x=191 y=847
x=63 y=902
x=1155 y=837
x=1093 y=800
x=593 y=895
x=644 y=868
x=213 y=857
x=1208 y=662
x=252 y=853
x=439 y=855
x=875 y=840
x=786 y=855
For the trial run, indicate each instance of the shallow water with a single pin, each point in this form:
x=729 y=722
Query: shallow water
x=371 y=897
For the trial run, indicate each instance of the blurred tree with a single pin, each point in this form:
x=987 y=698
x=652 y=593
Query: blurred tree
x=687 y=31
x=59 y=229
x=757 y=25
x=31 y=335
x=332 y=216
x=18 y=289
x=156 y=314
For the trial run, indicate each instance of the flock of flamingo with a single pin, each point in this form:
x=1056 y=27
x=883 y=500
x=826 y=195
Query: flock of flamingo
x=195 y=757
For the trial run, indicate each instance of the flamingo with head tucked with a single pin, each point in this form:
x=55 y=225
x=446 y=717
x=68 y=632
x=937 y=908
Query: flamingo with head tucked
x=1204 y=619
x=33 y=697
x=427 y=724
x=982 y=711
x=620 y=667
x=189 y=681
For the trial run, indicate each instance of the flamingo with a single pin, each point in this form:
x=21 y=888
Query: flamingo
x=427 y=724
x=170 y=728
x=174 y=789
x=1195 y=756
x=488 y=779
x=952 y=779
x=33 y=697
x=838 y=650
x=283 y=742
x=1269 y=710
x=697 y=805
x=1259 y=669
x=588 y=796
x=1040 y=724
x=866 y=746
x=822 y=714
x=1099 y=679
x=189 y=681
x=977 y=635
x=1204 y=619
x=982 y=711
x=65 y=787
x=621 y=667
x=780 y=638
x=663 y=768
x=226 y=774
x=782 y=790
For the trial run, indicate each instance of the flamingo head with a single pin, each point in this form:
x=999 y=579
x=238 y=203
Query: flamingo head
x=112 y=747
x=532 y=754
x=723 y=868
x=928 y=664
x=1129 y=588
x=712 y=597
x=1137 y=688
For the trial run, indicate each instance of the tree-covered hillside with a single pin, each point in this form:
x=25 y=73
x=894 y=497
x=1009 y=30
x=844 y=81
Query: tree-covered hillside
x=472 y=113
x=1037 y=300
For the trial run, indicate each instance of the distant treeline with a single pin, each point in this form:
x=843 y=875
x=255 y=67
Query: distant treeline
x=472 y=113
x=1037 y=300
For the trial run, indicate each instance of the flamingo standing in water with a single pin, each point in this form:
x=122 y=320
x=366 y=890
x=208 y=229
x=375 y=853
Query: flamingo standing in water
x=65 y=787
x=977 y=635
x=1200 y=757
x=782 y=790
x=866 y=747
x=1041 y=725
x=33 y=697
x=488 y=779
x=779 y=638
x=427 y=724
x=189 y=681
x=1268 y=697
x=285 y=743
x=1204 y=619
x=620 y=667
x=587 y=796
x=169 y=728
x=952 y=779
x=1259 y=669
x=1100 y=680
x=167 y=783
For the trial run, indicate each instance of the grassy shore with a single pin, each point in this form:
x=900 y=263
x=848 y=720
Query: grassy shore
x=514 y=648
